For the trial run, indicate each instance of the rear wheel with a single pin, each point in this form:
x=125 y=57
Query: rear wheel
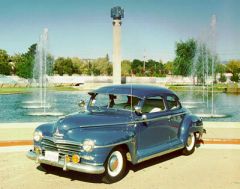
x=190 y=145
x=115 y=166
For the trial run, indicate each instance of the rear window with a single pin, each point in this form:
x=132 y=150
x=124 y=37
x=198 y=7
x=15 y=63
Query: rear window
x=173 y=103
x=153 y=104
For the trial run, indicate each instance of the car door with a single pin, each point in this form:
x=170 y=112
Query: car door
x=176 y=116
x=155 y=130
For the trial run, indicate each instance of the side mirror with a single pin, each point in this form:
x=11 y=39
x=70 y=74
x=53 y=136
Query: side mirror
x=138 y=110
x=81 y=104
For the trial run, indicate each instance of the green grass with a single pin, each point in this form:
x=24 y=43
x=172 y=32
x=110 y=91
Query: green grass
x=14 y=90
x=20 y=90
x=216 y=87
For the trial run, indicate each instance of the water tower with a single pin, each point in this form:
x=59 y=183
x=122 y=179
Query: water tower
x=117 y=13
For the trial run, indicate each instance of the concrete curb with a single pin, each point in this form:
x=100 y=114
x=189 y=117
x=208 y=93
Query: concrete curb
x=16 y=143
x=204 y=141
x=219 y=141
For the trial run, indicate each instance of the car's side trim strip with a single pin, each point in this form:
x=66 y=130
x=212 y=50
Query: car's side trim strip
x=159 y=118
x=134 y=122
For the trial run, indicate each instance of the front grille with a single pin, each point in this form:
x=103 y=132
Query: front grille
x=63 y=148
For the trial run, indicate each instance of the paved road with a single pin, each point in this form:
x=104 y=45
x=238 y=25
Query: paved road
x=206 y=168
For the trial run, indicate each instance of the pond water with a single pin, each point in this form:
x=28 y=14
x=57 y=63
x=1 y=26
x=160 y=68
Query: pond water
x=224 y=104
x=14 y=107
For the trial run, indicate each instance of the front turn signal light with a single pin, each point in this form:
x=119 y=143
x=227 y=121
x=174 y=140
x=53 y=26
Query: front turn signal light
x=37 y=150
x=67 y=158
x=75 y=158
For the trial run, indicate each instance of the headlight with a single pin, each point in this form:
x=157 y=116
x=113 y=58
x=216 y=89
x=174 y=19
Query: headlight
x=37 y=136
x=88 y=145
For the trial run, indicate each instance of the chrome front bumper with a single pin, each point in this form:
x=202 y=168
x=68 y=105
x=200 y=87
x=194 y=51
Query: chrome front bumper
x=92 y=169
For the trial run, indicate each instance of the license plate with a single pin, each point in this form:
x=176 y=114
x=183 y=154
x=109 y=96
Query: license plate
x=51 y=156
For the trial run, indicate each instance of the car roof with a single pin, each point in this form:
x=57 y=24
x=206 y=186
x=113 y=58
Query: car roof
x=141 y=91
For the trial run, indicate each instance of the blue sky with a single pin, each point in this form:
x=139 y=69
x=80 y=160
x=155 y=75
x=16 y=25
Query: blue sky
x=84 y=28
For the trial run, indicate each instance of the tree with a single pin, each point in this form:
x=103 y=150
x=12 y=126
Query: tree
x=101 y=66
x=154 y=68
x=68 y=66
x=58 y=66
x=80 y=66
x=233 y=66
x=50 y=63
x=126 y=68
x=63 y=66
x=137 y=67
x=5 y=67
x=222 y=78
x=235 y=77
x=221 y=68
x=24 y=62
x=185 y=52
x=168 y=68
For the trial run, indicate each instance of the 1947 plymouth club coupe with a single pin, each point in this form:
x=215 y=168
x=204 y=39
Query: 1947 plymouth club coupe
x=119 y=124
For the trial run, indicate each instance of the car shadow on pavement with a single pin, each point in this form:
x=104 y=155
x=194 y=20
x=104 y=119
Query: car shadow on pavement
x=73 y=175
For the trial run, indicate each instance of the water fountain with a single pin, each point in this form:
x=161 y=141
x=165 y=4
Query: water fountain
x=42 y=103
x=212 y=50
x=191 y=103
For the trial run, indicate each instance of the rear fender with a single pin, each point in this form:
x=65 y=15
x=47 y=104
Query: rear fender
x=190 y=124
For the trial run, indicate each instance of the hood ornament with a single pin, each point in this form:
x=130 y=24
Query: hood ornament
x=57 y=134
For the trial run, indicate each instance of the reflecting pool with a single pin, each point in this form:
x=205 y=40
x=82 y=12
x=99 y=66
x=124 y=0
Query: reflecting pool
x=14 y=107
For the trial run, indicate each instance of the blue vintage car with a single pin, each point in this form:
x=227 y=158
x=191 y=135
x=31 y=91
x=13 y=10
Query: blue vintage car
x=119 y=124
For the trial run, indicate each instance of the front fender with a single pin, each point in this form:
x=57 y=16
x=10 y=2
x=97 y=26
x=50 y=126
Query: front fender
x=105 y=140
x=190 y=124
x=46 y=129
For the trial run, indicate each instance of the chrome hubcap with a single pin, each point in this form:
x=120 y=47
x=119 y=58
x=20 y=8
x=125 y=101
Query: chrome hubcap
x=190 y=142
x=113 y=164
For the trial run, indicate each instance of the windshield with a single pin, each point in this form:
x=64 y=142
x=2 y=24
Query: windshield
x=103 y=102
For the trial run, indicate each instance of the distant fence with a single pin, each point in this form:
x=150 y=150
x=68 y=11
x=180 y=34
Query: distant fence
x=76 y=80
x=13 y=81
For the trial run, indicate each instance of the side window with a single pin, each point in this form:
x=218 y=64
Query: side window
x=153 y=104
x=99 y=100
x=122 y=101
x=173 y=102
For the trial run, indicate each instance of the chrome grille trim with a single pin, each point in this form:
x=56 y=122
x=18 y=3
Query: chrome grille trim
x=61 y=146
x=54 y=140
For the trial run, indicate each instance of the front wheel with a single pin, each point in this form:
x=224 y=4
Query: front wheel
x=190 y=145
x=115 y=166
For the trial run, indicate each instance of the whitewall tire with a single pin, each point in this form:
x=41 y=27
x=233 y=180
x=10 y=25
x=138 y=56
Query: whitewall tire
x=115 y=166
x=190 y=144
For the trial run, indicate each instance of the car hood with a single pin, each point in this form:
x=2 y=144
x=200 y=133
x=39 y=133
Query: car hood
x=93 y=119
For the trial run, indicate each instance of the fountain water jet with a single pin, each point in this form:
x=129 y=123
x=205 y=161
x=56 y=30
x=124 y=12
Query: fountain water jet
x=40 y=68
x=40 y=80
x=211 y=53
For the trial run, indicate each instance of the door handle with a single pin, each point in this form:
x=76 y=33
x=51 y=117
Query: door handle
x=169 y=118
